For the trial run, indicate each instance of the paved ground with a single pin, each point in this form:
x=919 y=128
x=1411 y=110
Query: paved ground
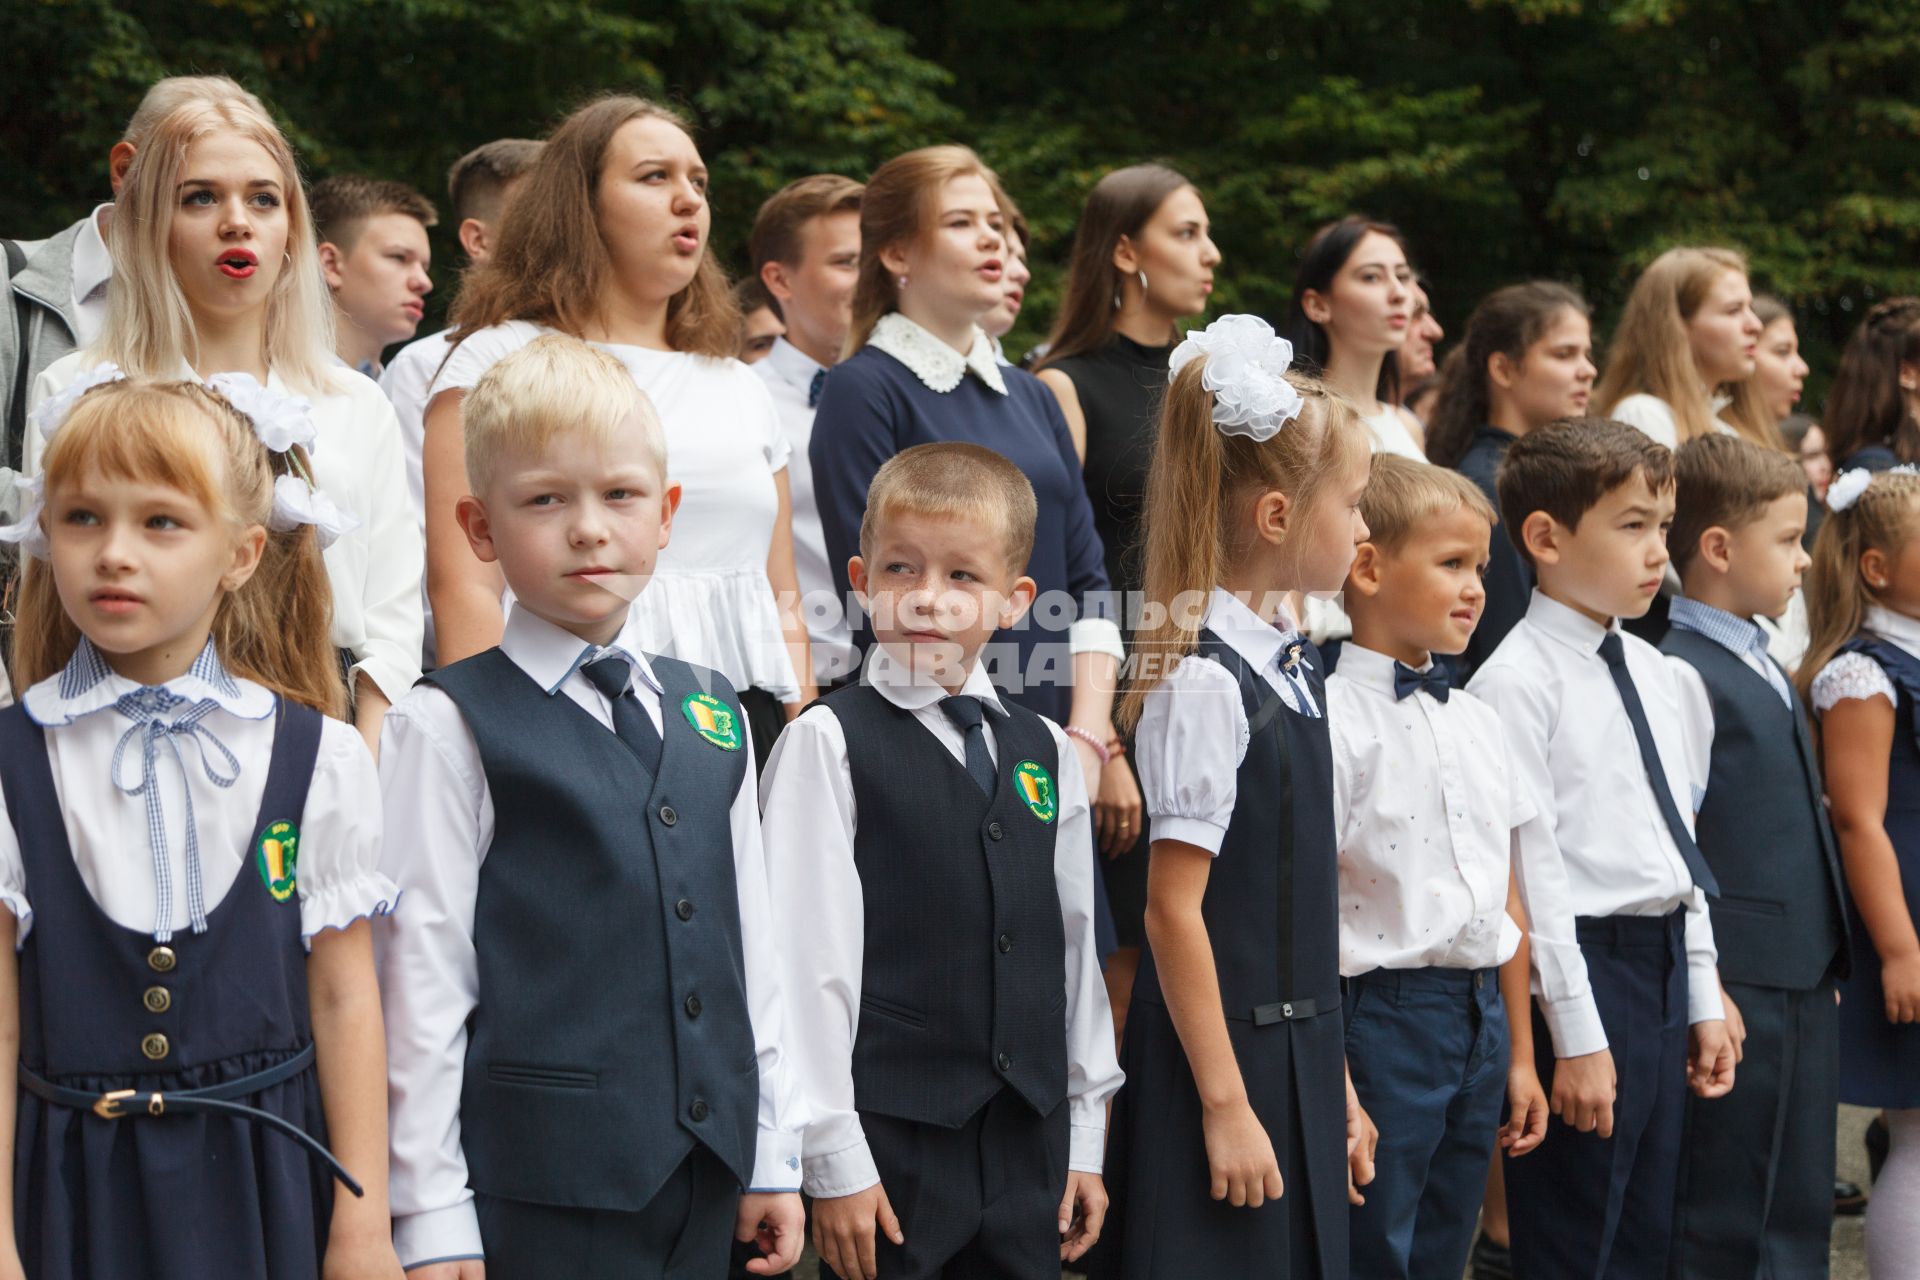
x=1849 y=1263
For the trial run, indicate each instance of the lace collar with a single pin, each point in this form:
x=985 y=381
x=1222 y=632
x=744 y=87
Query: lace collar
x=933 y=361
x=87 y=684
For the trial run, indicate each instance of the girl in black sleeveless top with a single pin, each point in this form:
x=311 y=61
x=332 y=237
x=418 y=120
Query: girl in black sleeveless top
x=1142 y=261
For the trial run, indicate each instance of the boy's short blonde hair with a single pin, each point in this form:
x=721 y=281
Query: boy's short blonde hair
x=954 y=481
x=1401 y=492
x=553 y=386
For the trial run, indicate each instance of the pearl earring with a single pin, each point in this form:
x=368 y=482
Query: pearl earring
x=903 y=284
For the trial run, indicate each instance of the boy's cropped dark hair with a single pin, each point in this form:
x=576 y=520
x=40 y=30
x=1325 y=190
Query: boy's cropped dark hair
x=1725 y=482
x=478 y=180
x=776 y=229
x=1566 y=467
x=341 y=203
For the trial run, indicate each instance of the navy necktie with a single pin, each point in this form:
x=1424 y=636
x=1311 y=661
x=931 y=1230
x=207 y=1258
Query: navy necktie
x=1407 y=681
x=611 y=675
x=1616 y=658
x=814 y=388
x=966 y=711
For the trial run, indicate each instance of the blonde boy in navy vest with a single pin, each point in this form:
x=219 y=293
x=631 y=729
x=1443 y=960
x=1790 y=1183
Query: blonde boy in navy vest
x=584 y=1017
x=929 y=843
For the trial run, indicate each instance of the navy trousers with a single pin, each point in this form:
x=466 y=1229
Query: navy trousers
x=1756 y=1194
x=1602 y=1209
x=980 y=1202
x=1428 y=1052
x=684 y=1233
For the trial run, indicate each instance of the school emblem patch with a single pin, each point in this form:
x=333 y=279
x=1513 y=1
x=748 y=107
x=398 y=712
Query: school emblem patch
x=1035 y=788
x=713 y=720
x=276 y=854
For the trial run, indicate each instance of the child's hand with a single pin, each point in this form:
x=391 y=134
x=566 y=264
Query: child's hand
x=1900 y=981
x=1583 y=1092
x=1117 y=809
x=1078 y=1231
x=1363 y=1138
x=843 y=1231
x=776 y=1222
x=1526 y=1127
x=1736 y=1026
x=1710 y=1065
x=1240 y=1157
x=361 y=1255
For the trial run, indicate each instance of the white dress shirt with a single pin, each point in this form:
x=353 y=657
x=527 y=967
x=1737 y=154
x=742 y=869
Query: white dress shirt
x=406 y=382
x=709 y=601
x=1423 y=873
x=1193 y=731
x=375 y=569
x=810 y=824
x=92 y=272
x=337 y=878
x=440 y=825
x=1597 y=845
x=789 y=373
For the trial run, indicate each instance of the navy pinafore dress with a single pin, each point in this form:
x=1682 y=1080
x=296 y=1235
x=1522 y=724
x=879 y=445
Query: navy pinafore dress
x=102 y=1007
x=1272 y=915
x=1880 y=1061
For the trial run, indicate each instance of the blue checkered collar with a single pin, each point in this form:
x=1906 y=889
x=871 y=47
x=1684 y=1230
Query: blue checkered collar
x=87 y=684
x=1739 y=636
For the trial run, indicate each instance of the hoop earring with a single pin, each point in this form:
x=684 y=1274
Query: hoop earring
x=288 y=255
x=1143 y=284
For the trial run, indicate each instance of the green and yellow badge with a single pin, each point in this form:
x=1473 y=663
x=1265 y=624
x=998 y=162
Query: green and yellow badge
x=277 y=853
x=1036 y=788
x=713 y=720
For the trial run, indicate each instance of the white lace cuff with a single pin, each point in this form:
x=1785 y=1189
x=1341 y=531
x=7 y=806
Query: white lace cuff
x=1851 y=675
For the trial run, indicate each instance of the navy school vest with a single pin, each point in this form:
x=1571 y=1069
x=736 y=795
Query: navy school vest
x=963 y=984
x=204 y=1008
x=612 y=1030
x=1779 y=919
x=1272 y=905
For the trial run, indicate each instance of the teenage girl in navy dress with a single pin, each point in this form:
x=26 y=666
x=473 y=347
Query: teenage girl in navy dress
x=187 y=860
x=1862 y=675
x=1229 y=1156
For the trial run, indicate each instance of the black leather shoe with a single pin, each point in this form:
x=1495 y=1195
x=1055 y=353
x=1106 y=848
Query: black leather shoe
x=1489 y=1261
x=1849 y=1201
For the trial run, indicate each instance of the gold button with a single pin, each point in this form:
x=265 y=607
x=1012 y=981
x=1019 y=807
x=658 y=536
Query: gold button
x=161 y=960
x=155 y=1046
x=157 y=999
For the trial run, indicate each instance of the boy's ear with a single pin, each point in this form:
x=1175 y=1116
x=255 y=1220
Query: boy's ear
x=857 y=578
x=331 y=260
x=1715 y=549
x=669 y=504
x=774 y=276
x=472 y=515
x=1018 y=600
x=1542 y=536
x=1364 y=576
x=476 y=240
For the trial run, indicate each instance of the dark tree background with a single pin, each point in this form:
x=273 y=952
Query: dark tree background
x=1509 y=138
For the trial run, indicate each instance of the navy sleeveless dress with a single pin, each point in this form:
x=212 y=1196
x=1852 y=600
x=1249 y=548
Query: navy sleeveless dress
x=1880 y=1061
x=104 y=1008
x=1272 y=915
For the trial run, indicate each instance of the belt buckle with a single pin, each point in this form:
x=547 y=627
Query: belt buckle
x=107 y=1105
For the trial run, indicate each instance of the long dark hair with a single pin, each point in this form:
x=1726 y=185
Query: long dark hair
x=1507 y=322
x=1325 y=255
x=1865 y=405
x=1120 y=204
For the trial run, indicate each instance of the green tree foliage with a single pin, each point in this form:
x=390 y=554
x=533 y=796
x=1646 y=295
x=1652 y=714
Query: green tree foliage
x=1509 y=138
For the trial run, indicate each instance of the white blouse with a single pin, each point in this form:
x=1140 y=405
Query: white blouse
x=1855 y=675
x=1193 y=731
x=709 y=601
x=1653 y=417
x=375 y=569
x=337 y=874
x=1391 y=434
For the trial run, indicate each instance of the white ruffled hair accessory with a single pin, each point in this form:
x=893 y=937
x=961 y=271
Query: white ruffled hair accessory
x=1246 y=372
x=1845 y=489
x=280 y=422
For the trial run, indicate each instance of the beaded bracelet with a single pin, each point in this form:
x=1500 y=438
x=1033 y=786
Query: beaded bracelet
x=1099 y=747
